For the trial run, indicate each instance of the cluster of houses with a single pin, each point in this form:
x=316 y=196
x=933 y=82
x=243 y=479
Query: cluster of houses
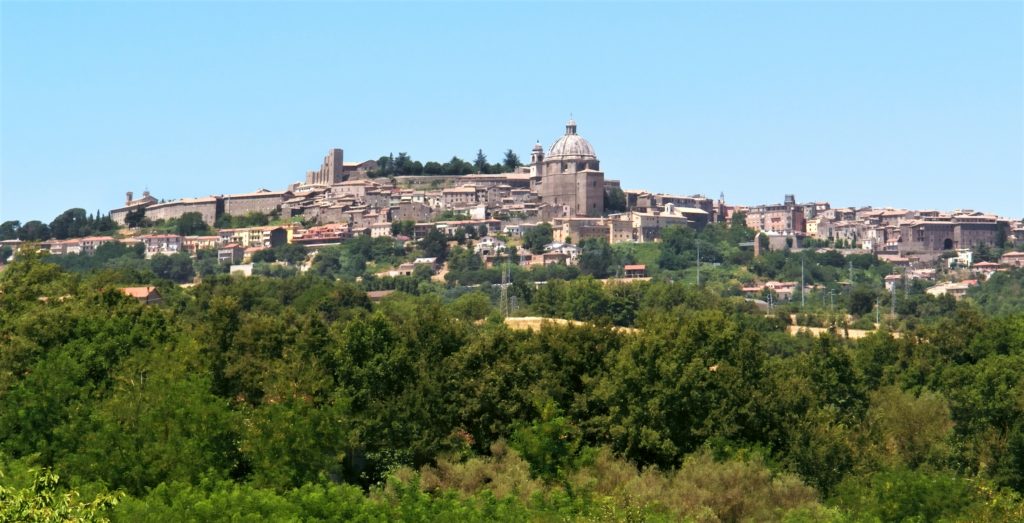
x=920 y=234
x=232 y=244
x=963 y=275
x=562 y=186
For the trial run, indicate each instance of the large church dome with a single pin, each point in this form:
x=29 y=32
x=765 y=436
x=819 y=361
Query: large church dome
x=571 y=145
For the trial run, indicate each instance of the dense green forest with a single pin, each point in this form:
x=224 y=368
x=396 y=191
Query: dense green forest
x=294 y=397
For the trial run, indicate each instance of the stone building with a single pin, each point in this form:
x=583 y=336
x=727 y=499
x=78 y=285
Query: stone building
x=90 y=243
x=261 y=201
x=331 y=170
x=209 y=207
x=192 y=244
x=411 y=211
x=358 y=170
x=161 y=244
x=1013 y=259
x=578 y=229
x=957 y=232
x=647 y=226
x=335 y=170
x=264 y=236
x=459 y=197
x=354 y=188
x=569 y=175
x=119 y=214
x=786 y=218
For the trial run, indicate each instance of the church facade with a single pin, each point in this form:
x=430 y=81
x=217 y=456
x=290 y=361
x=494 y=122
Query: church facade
x=569 y=176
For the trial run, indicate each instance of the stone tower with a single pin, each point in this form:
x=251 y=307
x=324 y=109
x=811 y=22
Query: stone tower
x=331 y=171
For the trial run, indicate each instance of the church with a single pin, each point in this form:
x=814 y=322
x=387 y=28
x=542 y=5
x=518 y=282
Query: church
x=569 y=175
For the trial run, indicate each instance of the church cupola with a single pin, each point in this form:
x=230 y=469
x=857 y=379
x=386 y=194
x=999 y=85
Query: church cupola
x=570 y=127
x=537 y=155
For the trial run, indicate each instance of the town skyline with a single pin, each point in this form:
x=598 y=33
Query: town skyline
x=112 y=202
x=888 y=96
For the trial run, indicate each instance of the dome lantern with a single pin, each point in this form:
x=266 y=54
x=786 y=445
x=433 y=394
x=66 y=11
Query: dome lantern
x=571 y=145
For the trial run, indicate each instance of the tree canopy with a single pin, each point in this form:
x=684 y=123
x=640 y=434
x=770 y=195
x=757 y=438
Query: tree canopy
x=295 y=396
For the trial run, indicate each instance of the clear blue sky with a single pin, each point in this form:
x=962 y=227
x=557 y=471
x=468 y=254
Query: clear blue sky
x=908 y=104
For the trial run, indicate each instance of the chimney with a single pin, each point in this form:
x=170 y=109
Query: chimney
x=129 y=200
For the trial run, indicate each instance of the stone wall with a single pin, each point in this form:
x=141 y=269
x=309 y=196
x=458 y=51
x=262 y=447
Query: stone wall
x=208 y=208
x=264 y=203
x=590 y=193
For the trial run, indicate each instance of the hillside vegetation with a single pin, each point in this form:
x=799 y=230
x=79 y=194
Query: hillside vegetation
x=296 y=398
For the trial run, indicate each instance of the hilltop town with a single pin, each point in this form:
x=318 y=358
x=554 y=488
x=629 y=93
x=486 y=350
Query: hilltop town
x=561 y=197
x=503 y=326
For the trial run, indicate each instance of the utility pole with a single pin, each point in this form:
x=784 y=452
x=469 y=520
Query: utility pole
x=906 y=287
x=505 y=276
x=892 y=302
x=803 y=286
x=698 y=263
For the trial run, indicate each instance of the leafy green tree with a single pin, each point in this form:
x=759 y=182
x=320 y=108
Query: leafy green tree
x=46 y=502
x=614 y=200
x=480 y=163
x=551 y=443
x=689 y=376
x=265 y=256
x=906 y=495
x=535 y=238
x=433 y=168
x=191 y=223
x=456 y=167
x=160 y=424
x=910 y=431
x=176 y=267
x=9 y=230
x=597 y=258
x=28 y=278
x=511 y=161
x=862 y=300
x=678 y=248
x=293 y=442
x=72 y=223
x=252 y=219
x=738 y=220
x=434 y=245
x=821 y=446
x=34 y=231
x=137 y=216
x=327 y=262
x=292 y=253
x=402 y=228
x=403 y=165
x=472 y=306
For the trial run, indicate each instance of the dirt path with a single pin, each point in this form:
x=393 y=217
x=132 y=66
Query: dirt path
x=535 y=322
